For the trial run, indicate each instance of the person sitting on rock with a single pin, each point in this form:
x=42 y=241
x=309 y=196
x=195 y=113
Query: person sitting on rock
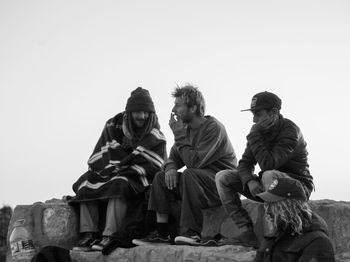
x=129 y=152
x=277 y=145
x=203 y=147
x=296 y=233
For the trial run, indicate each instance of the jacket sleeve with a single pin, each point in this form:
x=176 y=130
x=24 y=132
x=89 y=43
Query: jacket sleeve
x=246 y=166
x=281 y=151
x=206 y=150
x=174 y=161
x=319 y=250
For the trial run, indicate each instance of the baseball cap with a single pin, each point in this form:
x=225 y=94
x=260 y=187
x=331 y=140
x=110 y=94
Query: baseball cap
x=264 y=100
x=284 y=188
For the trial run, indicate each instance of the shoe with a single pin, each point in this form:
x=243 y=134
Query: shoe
x=85 y=242
x=190 y=237
x=246 y=238
x=217 y=240
x=152 y=239
x=99 y=246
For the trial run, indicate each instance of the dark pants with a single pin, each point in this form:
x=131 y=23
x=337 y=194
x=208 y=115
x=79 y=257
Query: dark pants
x=196 y=190
x=230 y=187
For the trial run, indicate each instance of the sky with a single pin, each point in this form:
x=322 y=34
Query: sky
x=66 y=67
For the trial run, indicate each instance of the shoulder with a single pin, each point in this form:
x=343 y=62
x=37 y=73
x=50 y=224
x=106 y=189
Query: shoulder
x=287 y=123
x=288 y=127
x=214 y=124
x=158 y=134
x=116 y=121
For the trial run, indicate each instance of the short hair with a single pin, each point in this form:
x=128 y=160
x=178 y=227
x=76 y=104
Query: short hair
x=192 y=97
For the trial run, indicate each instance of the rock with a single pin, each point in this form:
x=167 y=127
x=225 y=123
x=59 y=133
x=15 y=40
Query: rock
x=56 y=223
x=170 y=253
x=337 y=216
x=49 y=223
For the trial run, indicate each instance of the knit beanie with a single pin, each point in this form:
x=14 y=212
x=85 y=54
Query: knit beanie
x=140 y=100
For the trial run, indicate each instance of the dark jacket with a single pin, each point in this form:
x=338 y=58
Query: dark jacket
x=311 y=246
x=282 y=148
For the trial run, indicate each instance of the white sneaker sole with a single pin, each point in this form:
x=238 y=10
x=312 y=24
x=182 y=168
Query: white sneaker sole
x=180 y=240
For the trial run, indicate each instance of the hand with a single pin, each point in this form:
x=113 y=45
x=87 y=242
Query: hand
x=265 y=123
x=175 y=124
x=255 y=187
x=171 y=178
x=269 y=122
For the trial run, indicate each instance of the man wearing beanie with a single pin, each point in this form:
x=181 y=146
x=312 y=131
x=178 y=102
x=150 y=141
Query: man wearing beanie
x=202 y=147
x=277 y=145
x=130 y=150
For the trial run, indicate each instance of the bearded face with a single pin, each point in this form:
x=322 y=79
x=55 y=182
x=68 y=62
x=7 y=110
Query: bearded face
x=139 y=118
x=182 y=111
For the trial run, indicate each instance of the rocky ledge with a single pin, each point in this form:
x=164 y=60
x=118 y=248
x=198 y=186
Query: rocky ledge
x=56 y=223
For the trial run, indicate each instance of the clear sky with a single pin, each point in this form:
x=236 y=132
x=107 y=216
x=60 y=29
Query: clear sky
x=68 y=66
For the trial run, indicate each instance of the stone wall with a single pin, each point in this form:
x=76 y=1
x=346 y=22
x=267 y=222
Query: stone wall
x=5 y=217
x=56 y=223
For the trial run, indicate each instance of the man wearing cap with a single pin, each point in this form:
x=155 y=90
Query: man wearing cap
x=130 y=150
x=203 y=148
x=299 y=233
x=277 y=145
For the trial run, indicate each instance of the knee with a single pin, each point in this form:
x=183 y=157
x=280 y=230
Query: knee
x=268 y=177
x=159 y=178
x=222 y=177
x=188 y=174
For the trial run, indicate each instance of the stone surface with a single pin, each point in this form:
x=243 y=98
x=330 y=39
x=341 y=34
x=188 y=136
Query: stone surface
x=56 y=223
x=50 y=223
x=170 y=254
x=337 y=216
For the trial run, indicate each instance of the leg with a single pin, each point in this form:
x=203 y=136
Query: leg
x=89 y=217
x=160 y=196
x=160 y=200
x=198 y=191
x=116 y=210
x=229 y=188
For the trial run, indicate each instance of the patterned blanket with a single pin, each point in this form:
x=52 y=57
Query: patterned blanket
x=114 y=163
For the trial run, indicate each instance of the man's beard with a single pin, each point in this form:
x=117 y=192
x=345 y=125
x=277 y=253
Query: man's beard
x=139 y=123
x=186 y=118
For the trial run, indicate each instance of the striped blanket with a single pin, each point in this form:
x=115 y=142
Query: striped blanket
x=115 y=165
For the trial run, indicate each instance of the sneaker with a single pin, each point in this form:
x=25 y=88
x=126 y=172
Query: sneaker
x=99 y=246
x=246 y=238
x=190 y=237
x=217 y=240
x=152 y=239
x=85 y=242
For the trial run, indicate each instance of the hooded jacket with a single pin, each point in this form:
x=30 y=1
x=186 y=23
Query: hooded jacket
x=282 y=148
x=313 y=245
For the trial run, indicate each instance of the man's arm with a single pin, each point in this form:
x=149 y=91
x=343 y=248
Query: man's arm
x=174 y=160
x=208 y=149
x=108 y=142
x=246 y=169
x=273 y=156
x=171 y=165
